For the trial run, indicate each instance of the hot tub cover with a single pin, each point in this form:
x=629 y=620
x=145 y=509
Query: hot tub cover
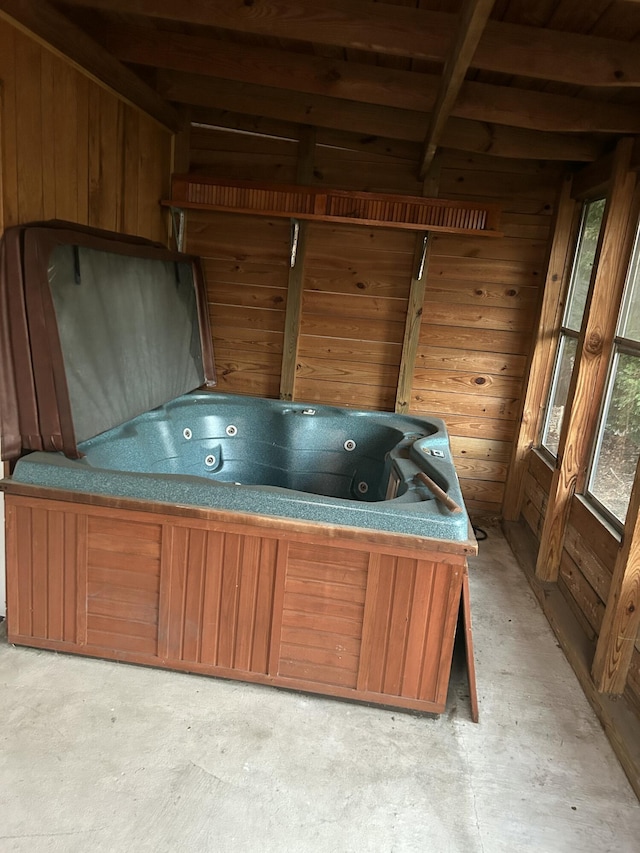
x=95 y=329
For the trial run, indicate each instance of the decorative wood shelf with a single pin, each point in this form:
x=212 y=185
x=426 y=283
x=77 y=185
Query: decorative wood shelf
x=412 y=213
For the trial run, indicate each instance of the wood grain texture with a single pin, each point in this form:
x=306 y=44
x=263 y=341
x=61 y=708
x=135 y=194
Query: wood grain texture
x=415 y=302
x=409 y=32
x=594 y=347
x=235 y=599
x=295 y=284
x=390 y=210
x=43 y=601
x=472 y=19
x=258 y=101
x=92 y=159
x=556 y=282
x=52 y=29
x=621 y=622
x=357 y=81
x=246 y=266
x=476 y=315
x=619 y=718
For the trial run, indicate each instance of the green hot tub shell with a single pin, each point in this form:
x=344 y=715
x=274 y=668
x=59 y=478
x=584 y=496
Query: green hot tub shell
x=307 y=462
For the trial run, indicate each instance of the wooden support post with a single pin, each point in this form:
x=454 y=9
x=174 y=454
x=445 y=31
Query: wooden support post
x=295 y=287
x=412 y=324
x=551 y=304
x=594 y=348
x=416 y=300
x=621 y=621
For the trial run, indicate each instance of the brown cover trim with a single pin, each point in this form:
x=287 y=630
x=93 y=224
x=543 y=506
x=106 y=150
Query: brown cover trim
x=35 y=412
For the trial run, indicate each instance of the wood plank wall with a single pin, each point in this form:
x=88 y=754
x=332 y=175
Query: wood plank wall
x=71 y=150
x=478 y=315
x=588 y=558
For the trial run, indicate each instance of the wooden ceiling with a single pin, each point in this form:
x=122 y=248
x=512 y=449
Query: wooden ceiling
x=514 y=78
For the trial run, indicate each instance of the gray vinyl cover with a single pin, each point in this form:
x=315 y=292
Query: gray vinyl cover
x=129 y=333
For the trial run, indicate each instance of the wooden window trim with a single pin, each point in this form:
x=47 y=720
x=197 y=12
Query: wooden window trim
x=592 y=360
x=562 y=245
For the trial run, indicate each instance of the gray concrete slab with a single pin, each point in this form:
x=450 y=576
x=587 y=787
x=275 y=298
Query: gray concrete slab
x=99 y=756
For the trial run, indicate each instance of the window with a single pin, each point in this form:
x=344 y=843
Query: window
x=584 y=256
x=618 y=440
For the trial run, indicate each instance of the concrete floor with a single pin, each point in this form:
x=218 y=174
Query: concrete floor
x=98 y=756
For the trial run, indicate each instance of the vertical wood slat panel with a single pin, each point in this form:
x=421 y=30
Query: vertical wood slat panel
x=81 y=173
x=55 y=576
x=75 y=554
x=216 y=599
x=176 y=593
x=48 y=106
x=339 y=620
x=282 y=559
x=406 y=649
x=130 y=166
x=67 y=156
x=405 y=570
x=211 y=598
x=164 y=595
x=19 y=569
x=8 y=142
x=247 y=590
x=64 y=141
x=421 y=606
x=28 y=130
x=20 y=608
x=39 y=573
x=228 y=613
x=443 y=638
x=46 y=556
x=377 y=614
x=194 y=596
x=82 y=575
x=264 y=609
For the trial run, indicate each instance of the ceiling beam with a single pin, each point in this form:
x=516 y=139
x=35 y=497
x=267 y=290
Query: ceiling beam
x=581 y=60
x=368 y=83
x=41 y=21
x=473 y=19
x=360 y=118
x=397 y=148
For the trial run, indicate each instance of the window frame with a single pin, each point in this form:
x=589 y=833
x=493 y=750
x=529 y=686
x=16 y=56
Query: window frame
x=620 y=346
x=564 y=331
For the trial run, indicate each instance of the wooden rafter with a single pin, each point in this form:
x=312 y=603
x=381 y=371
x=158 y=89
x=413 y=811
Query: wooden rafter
x=40 y=20
x=359 y=82
x=622 y=616
x=371 y=120
x=399 y=31
x=473 y=19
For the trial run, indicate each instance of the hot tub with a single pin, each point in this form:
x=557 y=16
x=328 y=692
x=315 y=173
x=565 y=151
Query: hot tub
x=305 y=546
x=313 y=463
